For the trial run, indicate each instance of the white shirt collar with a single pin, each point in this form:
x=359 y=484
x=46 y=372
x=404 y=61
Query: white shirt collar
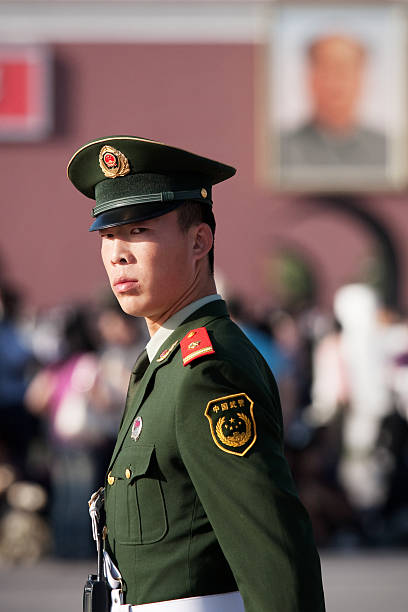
x=173 y=322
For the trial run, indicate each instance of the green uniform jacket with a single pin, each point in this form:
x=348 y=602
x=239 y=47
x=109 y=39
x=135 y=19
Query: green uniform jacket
x=203 y=501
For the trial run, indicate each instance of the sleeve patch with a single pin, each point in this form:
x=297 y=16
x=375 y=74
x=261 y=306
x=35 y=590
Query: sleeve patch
x=232 y=423
x=195 y=344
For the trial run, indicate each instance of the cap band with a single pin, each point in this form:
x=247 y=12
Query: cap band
x=164 y=196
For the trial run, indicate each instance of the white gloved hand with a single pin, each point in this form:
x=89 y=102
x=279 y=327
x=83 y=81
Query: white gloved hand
x=95 y=505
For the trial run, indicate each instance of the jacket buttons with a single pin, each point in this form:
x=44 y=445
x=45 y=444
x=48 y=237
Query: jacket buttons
x=111 y=479
x=128 y=473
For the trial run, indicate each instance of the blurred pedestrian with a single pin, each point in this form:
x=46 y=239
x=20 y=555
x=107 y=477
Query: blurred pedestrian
x=16 y=359
x=351 y=397
x=64 y=394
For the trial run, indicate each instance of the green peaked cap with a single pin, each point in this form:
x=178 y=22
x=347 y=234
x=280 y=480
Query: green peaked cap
x=133 y=179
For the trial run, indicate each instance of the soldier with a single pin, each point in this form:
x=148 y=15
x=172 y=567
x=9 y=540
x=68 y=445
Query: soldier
x=200 y=502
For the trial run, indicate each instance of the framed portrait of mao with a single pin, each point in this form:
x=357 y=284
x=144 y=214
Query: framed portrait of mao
x=336 y=97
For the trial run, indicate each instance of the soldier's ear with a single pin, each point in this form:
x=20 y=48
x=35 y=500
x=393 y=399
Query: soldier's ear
x=202 y=240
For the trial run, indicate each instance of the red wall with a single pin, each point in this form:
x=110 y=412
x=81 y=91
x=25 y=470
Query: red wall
x=199 y=97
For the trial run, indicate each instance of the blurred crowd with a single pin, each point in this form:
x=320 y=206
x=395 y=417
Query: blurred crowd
x=63 y=382
x=343 y=380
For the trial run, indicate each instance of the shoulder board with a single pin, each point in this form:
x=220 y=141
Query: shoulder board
x=195 y=344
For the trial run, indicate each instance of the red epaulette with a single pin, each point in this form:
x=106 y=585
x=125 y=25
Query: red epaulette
x=195 y=344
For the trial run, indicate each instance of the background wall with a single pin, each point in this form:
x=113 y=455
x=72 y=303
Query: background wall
x=199 y=84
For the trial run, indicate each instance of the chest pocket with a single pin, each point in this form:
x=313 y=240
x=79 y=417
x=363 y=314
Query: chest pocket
x=135 y=508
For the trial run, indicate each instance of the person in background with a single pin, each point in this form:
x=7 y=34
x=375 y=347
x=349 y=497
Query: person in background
x=65 y=394
x=16 y=361
x=351 y=397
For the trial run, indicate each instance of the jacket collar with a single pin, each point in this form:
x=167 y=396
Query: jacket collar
x=200 y=318
x=169 y=326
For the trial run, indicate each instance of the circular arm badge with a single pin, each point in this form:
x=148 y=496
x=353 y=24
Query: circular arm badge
x=232 y=423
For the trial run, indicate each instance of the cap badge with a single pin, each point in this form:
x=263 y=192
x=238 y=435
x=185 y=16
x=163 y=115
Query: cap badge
x=204 y=193
x=136 y=428
x=112 y=162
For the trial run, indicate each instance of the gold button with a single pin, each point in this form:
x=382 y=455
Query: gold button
x=111 y=479
x=128 y=473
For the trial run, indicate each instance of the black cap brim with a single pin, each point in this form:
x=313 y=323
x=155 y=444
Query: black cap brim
x=132 y=214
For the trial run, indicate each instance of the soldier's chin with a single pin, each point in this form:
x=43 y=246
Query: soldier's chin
x=130 y=304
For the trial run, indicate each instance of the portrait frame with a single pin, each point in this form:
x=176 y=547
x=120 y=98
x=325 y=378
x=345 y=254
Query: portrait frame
x=297 y=154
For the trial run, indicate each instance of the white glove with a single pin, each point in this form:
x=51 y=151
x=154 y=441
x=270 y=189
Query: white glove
x=95 y=505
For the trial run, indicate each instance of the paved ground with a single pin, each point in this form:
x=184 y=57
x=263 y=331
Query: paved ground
x=358 y=582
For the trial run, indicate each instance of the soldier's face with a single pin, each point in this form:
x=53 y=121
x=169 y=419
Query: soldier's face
x=151 y=266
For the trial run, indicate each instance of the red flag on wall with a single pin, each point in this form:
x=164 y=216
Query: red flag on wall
x=25 y=92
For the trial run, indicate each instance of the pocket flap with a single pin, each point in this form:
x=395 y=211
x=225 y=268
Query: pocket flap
x=132 y=461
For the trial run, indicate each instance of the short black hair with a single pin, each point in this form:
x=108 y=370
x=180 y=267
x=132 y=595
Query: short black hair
x=191 y=213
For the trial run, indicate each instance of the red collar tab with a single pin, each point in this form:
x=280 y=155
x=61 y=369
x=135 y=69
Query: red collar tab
x=195 y=344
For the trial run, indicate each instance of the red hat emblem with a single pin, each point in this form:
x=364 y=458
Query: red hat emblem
x=110 y=160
